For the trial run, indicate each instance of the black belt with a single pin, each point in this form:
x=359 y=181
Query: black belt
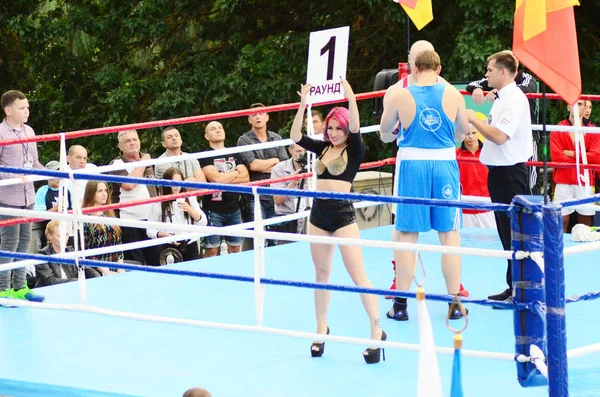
x=491 y=167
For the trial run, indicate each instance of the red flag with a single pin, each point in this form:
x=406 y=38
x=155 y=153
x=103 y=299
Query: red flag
x=545 y=40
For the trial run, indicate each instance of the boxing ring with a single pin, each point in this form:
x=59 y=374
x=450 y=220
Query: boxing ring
x=242 y=324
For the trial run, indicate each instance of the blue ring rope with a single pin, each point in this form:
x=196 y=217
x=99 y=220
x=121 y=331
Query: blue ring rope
x=585 y=297
x=574 y=202
x=267 y=281
x=262 y=190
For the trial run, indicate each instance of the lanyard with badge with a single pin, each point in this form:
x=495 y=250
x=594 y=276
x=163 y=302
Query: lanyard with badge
x=27 y=161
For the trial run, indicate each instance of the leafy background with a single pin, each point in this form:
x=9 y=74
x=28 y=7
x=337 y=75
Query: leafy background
x=93 y=63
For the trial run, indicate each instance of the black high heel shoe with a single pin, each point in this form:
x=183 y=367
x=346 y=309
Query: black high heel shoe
x=318 y=348
x=372 y=356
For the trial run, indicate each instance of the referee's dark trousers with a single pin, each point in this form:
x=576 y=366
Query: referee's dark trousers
x=504 y=183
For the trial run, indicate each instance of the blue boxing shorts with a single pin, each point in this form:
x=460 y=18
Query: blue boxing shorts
x=429 y=179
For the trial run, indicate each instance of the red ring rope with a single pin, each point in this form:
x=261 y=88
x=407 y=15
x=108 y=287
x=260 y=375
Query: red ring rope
x=196 y=193
x=216 y=116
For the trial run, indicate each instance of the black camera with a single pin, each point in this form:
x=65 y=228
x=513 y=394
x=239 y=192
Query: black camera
x=303 y=160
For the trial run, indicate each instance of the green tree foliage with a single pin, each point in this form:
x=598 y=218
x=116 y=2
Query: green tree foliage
x=92 y=63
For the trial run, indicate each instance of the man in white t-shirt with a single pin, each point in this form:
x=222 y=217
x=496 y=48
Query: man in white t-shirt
x=129 y=144
x=77 y=159
x=509 y=144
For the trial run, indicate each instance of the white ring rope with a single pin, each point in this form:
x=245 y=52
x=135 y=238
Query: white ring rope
x=164 y=240
x=171 y=159
x=232 y=150
x=588 y=247
x=146 y=163
x=253 y=328
x=538 y=258
x=211 y=230
x=566 y=128
x=76 y=226
x=584 y=350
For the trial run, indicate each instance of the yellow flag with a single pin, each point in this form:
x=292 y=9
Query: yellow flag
x=535 y=14
x=419 y=11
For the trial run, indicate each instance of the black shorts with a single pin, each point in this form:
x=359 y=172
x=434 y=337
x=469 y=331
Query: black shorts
x=331 y=215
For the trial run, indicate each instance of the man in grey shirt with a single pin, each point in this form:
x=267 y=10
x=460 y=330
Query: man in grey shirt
x=260 y=162
x=13 y=283
x=171 y=140
x=286 y=205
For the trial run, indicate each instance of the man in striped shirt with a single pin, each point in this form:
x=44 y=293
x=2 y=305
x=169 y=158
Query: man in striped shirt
x=13 y=283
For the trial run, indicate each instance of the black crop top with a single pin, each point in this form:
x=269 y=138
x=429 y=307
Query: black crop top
x=356 y=152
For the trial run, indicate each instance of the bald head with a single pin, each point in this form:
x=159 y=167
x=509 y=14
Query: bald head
x=417 y=48
x=75 y=148
x=197 y=392
x=212 y=125
x=214 y=132
x=77 y=157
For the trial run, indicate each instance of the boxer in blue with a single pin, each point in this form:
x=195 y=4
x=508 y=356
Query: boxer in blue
x=432 y=116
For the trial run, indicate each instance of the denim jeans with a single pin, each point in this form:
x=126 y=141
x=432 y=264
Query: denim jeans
x=267 y=210
x=14 y=239
x=220 y=220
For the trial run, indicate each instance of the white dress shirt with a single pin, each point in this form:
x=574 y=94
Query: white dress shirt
x=510 y=114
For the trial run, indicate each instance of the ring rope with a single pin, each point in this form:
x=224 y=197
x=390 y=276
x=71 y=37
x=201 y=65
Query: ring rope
x=587 y=247
x=237 y=149
x=566 y=128
x=254 y=328
x=67 y=258
x=78 y=233
x=188 y=156
x=551 y=164
x=420 y=284
x=170 y=239
x=576 y=202
x=15 y=221
x=585 y=297
x=103 y=250
x=267 y=190
x=223 y=115
x=177 y=121
x=584 y=350
x=268 y=281
x=164 y=160
x=192 y=193
x=389 y=161
x=514 y=255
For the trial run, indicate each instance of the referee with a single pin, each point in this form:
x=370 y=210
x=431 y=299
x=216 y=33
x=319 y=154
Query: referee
x=509 y=145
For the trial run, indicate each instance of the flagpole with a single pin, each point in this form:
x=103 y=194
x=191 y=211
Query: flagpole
x=408 y=41
x=545 y=148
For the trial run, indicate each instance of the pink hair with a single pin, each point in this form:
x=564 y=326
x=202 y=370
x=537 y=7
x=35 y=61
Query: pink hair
x=341 y=115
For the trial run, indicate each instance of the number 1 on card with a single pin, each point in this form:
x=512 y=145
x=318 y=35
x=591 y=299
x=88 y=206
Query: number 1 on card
x=329 y=48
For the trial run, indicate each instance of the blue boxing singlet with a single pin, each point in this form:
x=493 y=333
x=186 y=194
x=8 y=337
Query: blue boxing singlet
x=431 y=128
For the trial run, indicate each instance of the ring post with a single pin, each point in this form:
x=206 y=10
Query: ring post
x=528 y=287
x=259 y=259
x=555 y=295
